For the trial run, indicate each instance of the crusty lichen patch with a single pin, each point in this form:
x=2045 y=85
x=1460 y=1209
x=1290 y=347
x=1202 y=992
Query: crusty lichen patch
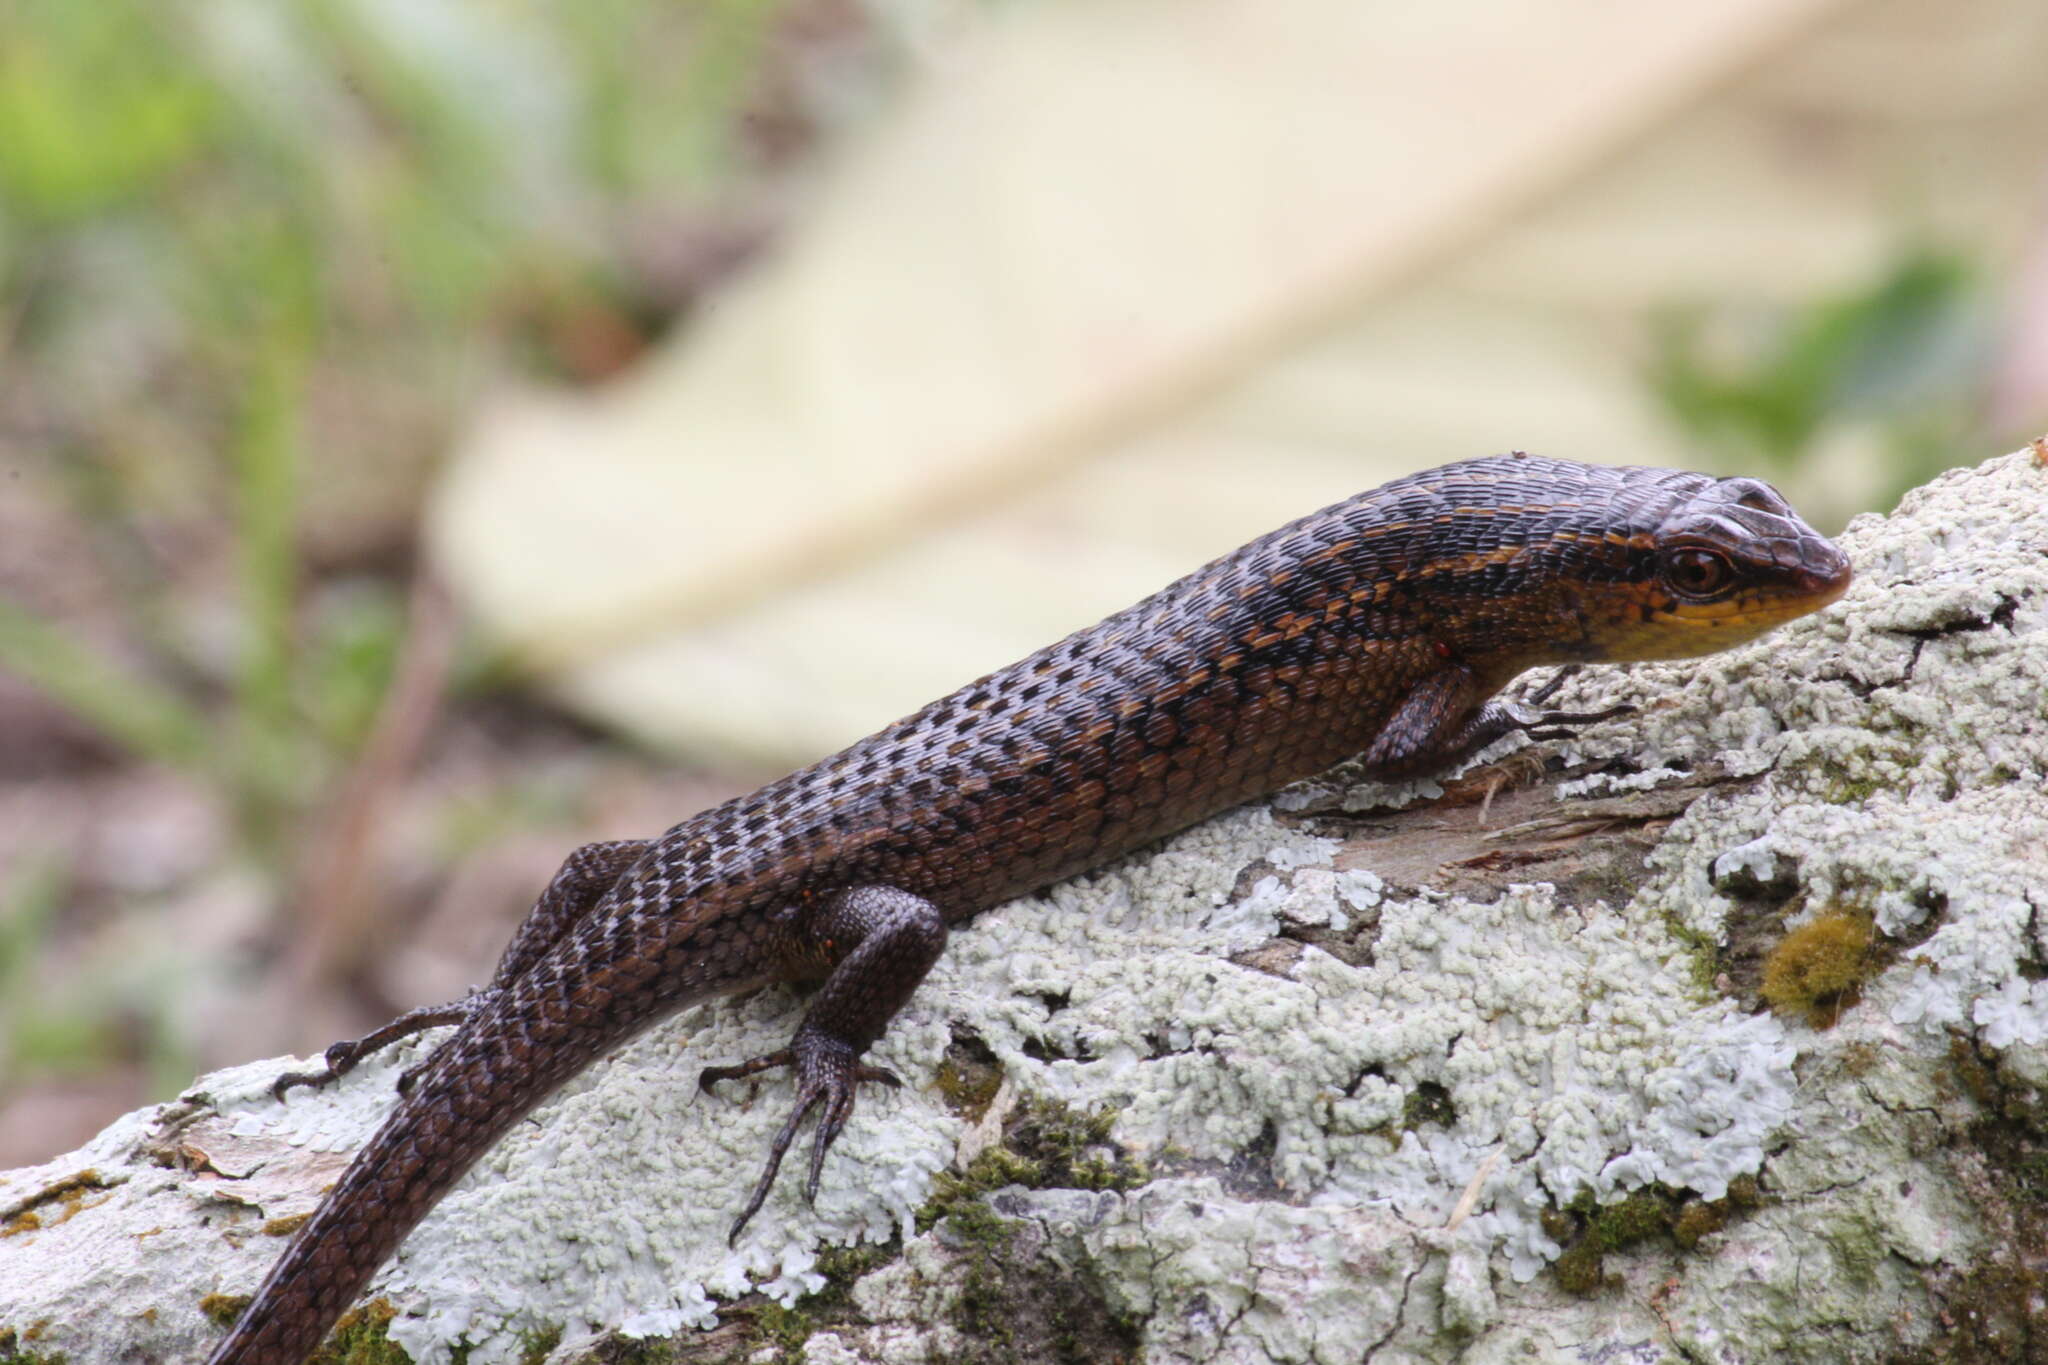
x=53 y=1204
x=1993 y=1307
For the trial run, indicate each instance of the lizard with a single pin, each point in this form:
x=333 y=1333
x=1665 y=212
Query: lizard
x=1381 y=627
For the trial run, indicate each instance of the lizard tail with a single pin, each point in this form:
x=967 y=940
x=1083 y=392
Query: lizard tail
x=457 y=1109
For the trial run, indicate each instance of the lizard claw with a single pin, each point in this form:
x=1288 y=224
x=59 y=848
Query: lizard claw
x=410 y=1077
x=339 y=1059
x=881 y=1074
x=828 y=1072
x=712 y=1075
x=1557 y=680
x=342 y=1057
x=1559 y=724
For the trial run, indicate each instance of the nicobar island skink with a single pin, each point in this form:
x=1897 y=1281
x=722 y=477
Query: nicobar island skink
x=1380 y=627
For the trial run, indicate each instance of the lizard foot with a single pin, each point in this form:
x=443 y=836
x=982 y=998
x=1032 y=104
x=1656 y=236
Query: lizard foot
x=1557 y=724
x=828 y=1071
x=342 y=1057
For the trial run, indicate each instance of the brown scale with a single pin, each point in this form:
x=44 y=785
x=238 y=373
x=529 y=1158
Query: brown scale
x=1378 y=627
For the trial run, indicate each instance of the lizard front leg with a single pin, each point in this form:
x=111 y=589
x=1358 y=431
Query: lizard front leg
x=1442 y=720
x=877 y=943
x=576 y=888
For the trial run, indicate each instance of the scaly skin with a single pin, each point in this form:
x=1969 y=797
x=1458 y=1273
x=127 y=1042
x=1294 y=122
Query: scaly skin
x=1380 y=626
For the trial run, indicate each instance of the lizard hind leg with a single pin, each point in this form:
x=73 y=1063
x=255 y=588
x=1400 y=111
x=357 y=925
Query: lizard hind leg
x=573 y=892
x=878 y=943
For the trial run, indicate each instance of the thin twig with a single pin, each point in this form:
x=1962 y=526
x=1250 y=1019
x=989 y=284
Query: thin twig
x=335 y=922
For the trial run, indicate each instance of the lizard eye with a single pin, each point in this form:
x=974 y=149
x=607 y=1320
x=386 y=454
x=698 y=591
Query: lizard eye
x=1697 y=573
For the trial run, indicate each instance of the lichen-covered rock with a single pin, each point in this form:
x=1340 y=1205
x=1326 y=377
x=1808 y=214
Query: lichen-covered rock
x=1488 y=1076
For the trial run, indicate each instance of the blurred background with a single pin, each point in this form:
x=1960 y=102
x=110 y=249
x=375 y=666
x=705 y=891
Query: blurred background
x=436 y=433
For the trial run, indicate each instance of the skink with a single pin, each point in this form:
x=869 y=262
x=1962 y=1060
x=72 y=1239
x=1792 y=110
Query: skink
x=1381 y=626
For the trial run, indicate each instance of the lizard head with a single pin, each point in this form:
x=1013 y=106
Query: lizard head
x=1725 y=563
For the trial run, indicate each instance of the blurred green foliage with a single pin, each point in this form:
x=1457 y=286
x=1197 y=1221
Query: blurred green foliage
x=215 y=216
x=32 y=1033
x=56 y=1028
x=89 y=116
x=1905 y=355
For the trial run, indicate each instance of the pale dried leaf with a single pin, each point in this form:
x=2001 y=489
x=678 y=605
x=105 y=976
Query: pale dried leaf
x=1116 y=289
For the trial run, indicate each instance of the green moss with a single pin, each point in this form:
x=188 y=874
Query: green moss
x=285 y=1227
x=1580 y=1270
x=1819 y=968
x=1846 y=779
x=69 y=1195
x=222 y=1309
x=1694 y=1221
x=1990 y=1312
x=1427 y=1103
x=360 y=1338
x=1851 y=791
x=1702 y=955
x=12 y=1352
x=536 y=1343
x=2031 y=1171
x=1971 y=1072
x=1830 y=778
x=982 y=1308
x=1015 y=1305
x=785 y=1330
x=1992 y=1316
x=955 y=1193
x=1635 y=1219
x=1591 y=1231
x=969 y=1077
x=1045 y=1146
x=1072 y=1149
x=617 y=1350
x=843 y=1267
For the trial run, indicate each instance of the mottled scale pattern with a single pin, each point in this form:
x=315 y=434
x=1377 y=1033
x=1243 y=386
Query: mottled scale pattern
x=1386 y=620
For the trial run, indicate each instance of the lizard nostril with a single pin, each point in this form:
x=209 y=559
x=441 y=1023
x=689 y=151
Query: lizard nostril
x=1823 y=569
